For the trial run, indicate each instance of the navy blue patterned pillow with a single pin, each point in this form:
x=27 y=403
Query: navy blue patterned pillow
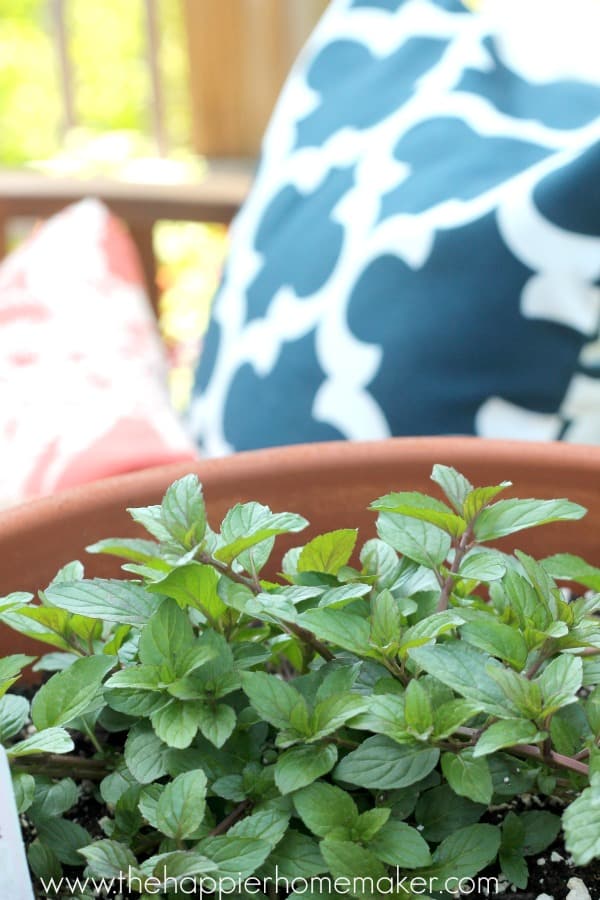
x=420 y=253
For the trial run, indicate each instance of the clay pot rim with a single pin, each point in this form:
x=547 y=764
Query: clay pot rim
x=289 y=460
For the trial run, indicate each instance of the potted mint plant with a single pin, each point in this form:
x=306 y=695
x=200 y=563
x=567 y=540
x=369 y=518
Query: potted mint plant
x=414 y=716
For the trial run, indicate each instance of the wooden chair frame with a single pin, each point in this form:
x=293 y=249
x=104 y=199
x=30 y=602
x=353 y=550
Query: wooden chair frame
x=216 y=198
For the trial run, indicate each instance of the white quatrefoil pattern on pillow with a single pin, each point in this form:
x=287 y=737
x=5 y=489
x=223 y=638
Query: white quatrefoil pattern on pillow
x=420 y=253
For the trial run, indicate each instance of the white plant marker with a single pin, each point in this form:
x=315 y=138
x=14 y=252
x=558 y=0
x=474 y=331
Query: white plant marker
x=14 y=872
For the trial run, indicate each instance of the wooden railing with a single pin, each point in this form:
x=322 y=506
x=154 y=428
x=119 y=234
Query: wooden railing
x=215 y=199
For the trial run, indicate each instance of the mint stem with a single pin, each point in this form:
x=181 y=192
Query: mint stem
x=307 y=637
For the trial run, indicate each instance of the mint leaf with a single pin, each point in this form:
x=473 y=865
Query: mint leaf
x=381 y=764
x=464 y=853
x=123 y=602
x=468 y=672
x=507 y=733
x=248 y=524
x=272 y=698
x=328 y=552
x=323 y=807
x=166 y=637
x=180 y=808
x=509 y=516
x=455 y=486
x=70 y=693
x=419 y=506
x=50 y=740
x=497 y=639
x=581 y=825
x=14 y=713
x=183 y=513
x=397 y=844
x=467 y=776
x=300 y=766
x=177 y=723
x=217 y=723
x=422 y=542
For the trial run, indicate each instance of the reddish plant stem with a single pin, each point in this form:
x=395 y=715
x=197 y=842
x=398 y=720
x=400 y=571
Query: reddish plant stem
x=234 y=816
x=462 y=547
x=307 y=637
x=556 y=760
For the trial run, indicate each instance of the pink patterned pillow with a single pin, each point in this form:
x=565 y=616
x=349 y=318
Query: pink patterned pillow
x=83 y=391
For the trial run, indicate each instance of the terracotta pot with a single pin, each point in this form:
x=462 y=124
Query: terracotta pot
x=331 y=484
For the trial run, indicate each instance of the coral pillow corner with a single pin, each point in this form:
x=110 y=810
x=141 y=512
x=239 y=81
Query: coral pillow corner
x=83 y=377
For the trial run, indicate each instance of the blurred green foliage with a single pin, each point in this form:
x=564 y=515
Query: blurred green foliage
x=107 y=45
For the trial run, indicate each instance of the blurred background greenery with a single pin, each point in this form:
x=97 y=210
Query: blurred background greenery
x=113 y=105
x=111 y=84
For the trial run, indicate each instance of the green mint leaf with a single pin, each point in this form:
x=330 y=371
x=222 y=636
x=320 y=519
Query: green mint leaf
x=567 y=567
x=235 y=857
x=468 y=777
x=347 y=859
x=180 y=808
x=420 y=541
x=300 y=766
x=297 y=856
x=50 y=740
x=480 y=497
x=441 y=812
x=397 y=844
x=272 y=698
x=344 y=629
x=335 y=711
x=419 y=506
x=183 y=512
x=381 y=562
x=14 y=601
x=451 y=715
x=370 y=823
x=418 y=711
x=167 y=637
x=464 y=853
x=482 y=565
x=70 y=693
x=109 y=859
x=135 y=550
x=145 y=754
x=323 y=807
x=177 y=723
x=328 y=552
x=507 y=733
x=581 y=826
x=541 y=829
x=123 y=602
x=141 y=678
x=509 y=516
x=339 y=597
x=454 y=485
x=24 y=790
x=468 y=672
x=560 y=681
x=386 y=627
x=150 y=517
x=64 y=838
x=247 y=525
x=11 y=668
x=269 y=824
x=501 y=641
x=14 y=713
x=381 y=764
x=55 y=800
x=217 y=723
x=193 y=585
